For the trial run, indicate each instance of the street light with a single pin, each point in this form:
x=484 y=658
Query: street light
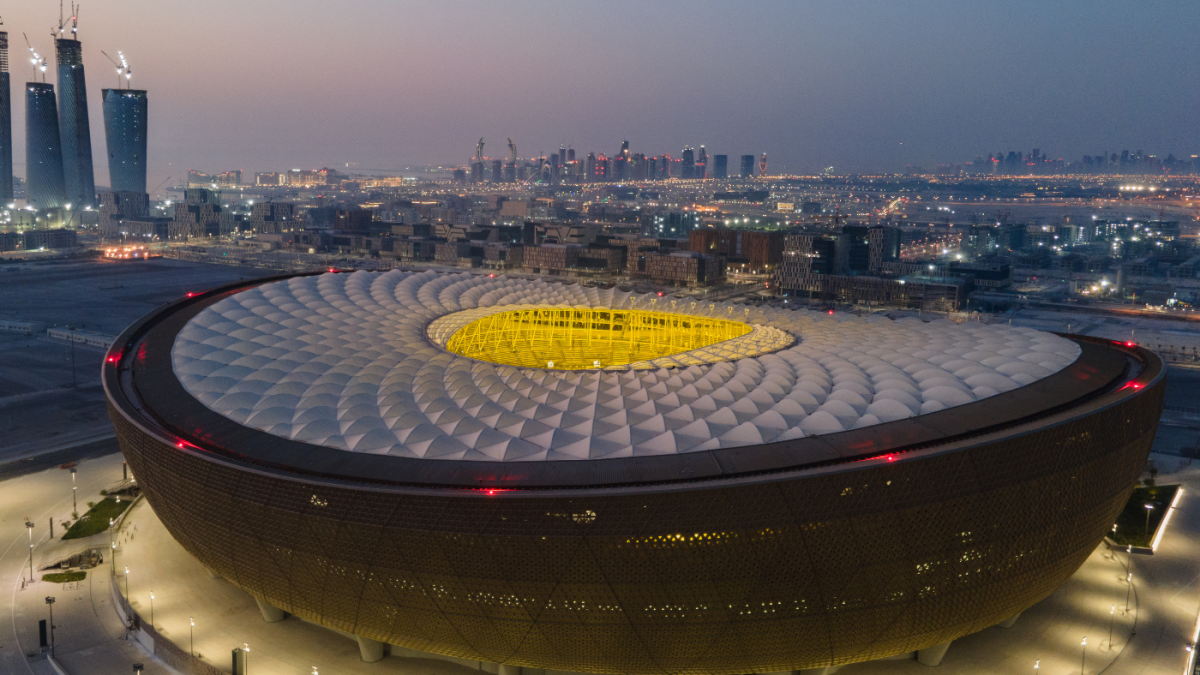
x=152 y=609
x=127 y=586
x=1149 y=508
x=1112 y=616
x=29 y=524
x=1083 y=655
x=50 y=602
x=246 y=648
x=74 y=488
x=192 y=635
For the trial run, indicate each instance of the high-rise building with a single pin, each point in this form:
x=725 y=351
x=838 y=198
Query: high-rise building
x=762 y=165
x=747 y=166
x=497 y=170
x=125 y=119
x=571 y=155
x=73 y=125
x=689 y=163
x=6 y=175
x=589 y=175
x=701 y=170
x=720 y=167
x=43 y=148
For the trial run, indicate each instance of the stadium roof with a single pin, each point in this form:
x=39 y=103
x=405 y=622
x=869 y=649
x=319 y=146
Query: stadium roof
x=349 y=362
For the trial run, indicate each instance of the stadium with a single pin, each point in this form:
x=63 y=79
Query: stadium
x=553 y=476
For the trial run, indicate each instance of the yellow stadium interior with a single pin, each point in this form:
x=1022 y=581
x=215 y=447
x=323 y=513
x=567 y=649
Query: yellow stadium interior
x=586 y=339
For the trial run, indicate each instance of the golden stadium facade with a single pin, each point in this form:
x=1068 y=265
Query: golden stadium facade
x=729 y=490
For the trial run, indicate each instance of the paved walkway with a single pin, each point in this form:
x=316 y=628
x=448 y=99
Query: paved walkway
x=89 y=637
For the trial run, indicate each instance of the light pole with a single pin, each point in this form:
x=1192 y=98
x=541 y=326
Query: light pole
x=152 y=609
x=137 y=668
x=74 y=488
x=127 y=586
x=1036 y=665
x=29 y=524
x=246 y=648
x=50 y=603
x=192 y=635
x=1082 y=655
x=1146 y=532
x=1112 y=616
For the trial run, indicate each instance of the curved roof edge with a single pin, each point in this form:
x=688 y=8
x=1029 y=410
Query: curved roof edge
x=141 y=385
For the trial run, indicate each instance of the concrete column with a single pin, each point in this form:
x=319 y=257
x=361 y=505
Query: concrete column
x=212 y=574
x=271 y=613
x=932 y=656
x=1010 y=621
x=506 y=669
x=370 y=650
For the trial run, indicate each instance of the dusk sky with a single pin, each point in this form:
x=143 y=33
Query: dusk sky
x=263 y=85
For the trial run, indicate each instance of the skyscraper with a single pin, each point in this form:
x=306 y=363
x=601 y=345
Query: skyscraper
x=701 y=170
x=689 y=164
x=43 y=148
x=73 y=125
x=6 y=178
x=720 y=167
x=125 y=120
x=747 y=166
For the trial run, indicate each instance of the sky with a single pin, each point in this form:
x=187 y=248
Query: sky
x=859 y=85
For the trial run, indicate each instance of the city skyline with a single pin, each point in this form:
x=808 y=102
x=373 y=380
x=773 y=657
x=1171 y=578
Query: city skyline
x=865 y=86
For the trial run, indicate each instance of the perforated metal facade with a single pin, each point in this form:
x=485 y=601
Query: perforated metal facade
x=738 y=571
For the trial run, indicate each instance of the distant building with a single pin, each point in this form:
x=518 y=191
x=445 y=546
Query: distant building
x=116 y=207
x=125 y=120
x=680 y=267
x=43 y=148
x=749 y=249
x=701 y=170
x=74 y=126
x=810 y=208
x=6 y=149
x=269 y=217
x=672 y=224
x=870 y=247
x=720 y=167
x=497 y=170
x=747 y=166
x=689 y=164
x=270 y=179
x=200 y=215
x=353 y=220
x=31 y=240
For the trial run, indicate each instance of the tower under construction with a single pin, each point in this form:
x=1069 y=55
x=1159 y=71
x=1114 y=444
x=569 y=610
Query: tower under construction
x=6 y=174
x=73 y=123
x=43 y=148
x=125 y=120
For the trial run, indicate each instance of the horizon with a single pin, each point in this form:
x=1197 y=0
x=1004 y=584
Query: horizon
x=370 y=86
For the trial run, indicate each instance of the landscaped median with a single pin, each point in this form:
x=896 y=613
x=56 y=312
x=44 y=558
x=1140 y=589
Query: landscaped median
x=1144 y=519
x=64 y=577
x=97 y=518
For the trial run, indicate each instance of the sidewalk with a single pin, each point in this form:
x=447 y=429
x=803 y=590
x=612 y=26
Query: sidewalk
x=89 y=637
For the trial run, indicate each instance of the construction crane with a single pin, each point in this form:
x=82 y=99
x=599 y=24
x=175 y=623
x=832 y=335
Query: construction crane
x=159 y=186
x=38 y=61
x=62 y=23
x=123 y=69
